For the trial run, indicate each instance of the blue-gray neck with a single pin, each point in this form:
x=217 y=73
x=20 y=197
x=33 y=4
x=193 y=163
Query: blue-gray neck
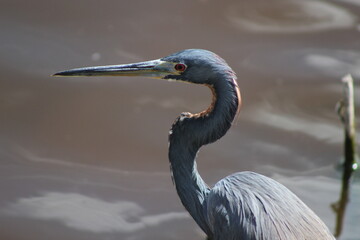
x=189 y=133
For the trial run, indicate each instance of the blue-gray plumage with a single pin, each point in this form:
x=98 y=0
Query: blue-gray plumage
x=243 y=206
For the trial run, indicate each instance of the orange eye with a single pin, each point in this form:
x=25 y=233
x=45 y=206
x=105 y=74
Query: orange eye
x=180 y=67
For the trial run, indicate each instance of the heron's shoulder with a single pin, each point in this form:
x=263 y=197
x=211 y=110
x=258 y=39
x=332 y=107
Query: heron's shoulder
x=246 y=179
x=251 y=187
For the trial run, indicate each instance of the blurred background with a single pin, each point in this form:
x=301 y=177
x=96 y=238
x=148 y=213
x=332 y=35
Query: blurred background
x=86 y=158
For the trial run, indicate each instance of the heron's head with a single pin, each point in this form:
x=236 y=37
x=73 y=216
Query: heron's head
x=191 y=65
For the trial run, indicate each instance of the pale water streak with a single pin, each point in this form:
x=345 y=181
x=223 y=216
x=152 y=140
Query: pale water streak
x=90 y=214
x=30 y=156
x=335 y=62
x=316 y=128
x=305 y=62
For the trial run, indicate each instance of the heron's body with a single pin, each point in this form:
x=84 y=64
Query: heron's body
x=243 y=206
x=248 y=205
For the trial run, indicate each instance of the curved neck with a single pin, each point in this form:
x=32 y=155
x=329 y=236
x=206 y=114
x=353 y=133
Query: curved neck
x=189 y=133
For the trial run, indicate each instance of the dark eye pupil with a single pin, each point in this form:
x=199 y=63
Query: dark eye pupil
x=180 y=67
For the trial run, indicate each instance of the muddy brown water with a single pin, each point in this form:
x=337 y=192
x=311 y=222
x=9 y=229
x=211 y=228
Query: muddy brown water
x=86 y=158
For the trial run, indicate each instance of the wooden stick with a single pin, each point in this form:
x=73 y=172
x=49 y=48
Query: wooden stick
x=346 y=112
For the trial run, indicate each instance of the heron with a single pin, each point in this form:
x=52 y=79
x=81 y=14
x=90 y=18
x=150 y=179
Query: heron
x=243 y=206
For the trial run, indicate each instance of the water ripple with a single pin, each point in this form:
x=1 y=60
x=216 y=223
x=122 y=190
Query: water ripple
x=290 y=16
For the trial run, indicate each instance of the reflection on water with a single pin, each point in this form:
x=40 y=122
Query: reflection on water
x=87 y=158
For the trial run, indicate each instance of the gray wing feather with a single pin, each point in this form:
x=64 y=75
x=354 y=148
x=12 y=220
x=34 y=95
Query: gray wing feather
x=250 y=206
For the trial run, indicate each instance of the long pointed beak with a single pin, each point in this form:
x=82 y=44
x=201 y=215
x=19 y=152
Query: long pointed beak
x=155 y=68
